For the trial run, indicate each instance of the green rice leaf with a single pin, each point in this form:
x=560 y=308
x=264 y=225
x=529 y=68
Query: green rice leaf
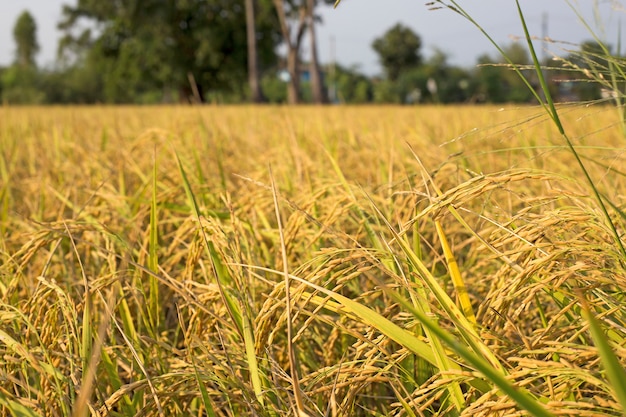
x=16 y=409
x=206 y=400
x=242 y=321
x=406 y=339
x=153 y=262
x=612 y=366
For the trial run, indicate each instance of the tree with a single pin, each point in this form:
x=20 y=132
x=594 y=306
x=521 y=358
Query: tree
x=253 y=61
x=21 y=86
x=352 y=86
x=515 y=89
x=317 y=87
x=154 y=47
x=20 y=82
x=498 y=83
x=295 y=16
x=292 y=15
x=489 y=78
x=25 y=36
x=398 y=50
x=593 y=63
x=436 y=81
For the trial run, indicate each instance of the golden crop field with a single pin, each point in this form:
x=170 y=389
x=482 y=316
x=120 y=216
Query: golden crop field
x=337 y=261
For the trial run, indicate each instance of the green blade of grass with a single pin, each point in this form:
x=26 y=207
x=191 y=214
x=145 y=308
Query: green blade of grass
x=493 y=374
x=86 y=346
x=136 y=357
x=548 y=104
x=153 y=261
x=366 y=224
x=405 y=405
x=406 y=339
x=242 y=322
x=206 y=400
x=128 y=323
x=464 y=326
x=372 y=318
x=16 y=409
x=612 y=365
x=87 y=330
x=83 y=401
x=457 y=8
x=221 y=273
x=443 y=361
x=557 y=121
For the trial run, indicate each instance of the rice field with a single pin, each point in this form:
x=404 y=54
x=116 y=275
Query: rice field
x=339 y=261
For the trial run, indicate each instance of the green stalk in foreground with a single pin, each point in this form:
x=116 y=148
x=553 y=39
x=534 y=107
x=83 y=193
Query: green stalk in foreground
x=612 y=366
x=153 y=260
x=243 y=323
x=557 y=121
x=406 y=339
x=422 y=349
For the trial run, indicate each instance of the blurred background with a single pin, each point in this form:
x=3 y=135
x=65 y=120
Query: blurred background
x=296 y=51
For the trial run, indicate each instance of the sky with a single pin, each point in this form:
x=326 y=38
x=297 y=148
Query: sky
x=354 y=24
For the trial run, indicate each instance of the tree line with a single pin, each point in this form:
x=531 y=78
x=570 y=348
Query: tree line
x=226 y=51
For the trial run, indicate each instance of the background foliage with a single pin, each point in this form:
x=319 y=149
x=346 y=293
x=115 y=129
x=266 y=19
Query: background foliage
x=161 y=51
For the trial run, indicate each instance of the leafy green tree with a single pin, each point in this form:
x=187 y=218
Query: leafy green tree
x=188 y=47
x=496 y=80
x=437 y=81
x=296 y=17
x=590 y=63
x=21 y=86
x=20 y=82
x=489 y=79
x=516 y=90
x=434 y=81
x=398 y=50
x=274 y=89
x=386 y=91
x=352 y=86
x=25 y=36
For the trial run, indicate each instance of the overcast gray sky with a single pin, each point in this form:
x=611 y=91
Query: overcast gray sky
x=356 y=23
